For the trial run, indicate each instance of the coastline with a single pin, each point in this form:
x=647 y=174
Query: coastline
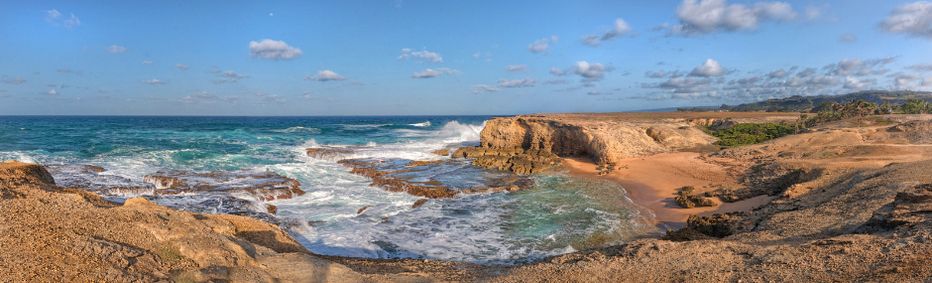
x=651 y=181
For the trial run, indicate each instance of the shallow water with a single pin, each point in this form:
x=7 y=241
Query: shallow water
x=557 y=214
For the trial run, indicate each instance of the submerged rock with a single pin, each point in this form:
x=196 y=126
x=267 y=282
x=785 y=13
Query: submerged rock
x=262 y=185
x=421 y=178
x=329 y=153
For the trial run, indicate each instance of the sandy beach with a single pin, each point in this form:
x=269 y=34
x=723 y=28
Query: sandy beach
x=651 y=182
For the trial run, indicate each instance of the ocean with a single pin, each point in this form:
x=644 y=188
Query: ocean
x=340 y=213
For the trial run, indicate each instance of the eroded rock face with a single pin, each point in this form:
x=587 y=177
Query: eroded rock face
x=15 y=172
x=519 y=161
x=604 y=141
x=262 y=185
x=919 y=132
x=908 y=208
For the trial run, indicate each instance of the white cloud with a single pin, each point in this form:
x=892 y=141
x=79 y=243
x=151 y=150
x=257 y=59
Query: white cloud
x=516 y=68
x=710 y=68
x=858 y=67
x=848 y=38
x=227 y=76
x=52 y=92
x=325 y=76
x=590 y=71
x=116 y=49
x=270 y=98
x=273 y=50
x=706 y=16
x=182 y=67
x=855 y=84
x=913 y=19
x=621 y=28
x=526 y=82
x=154 y=81
x=921 y=67
x=408 y=53
x=57 y=18
x=433 y=73
x=906 y=81
x=147 y=62
x=541 y=45
x=483 y=89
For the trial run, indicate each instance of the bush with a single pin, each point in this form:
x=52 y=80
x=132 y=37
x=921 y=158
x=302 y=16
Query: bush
x=916 y=106
x=752 y=133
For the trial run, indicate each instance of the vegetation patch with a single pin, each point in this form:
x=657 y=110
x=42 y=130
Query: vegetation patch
x=752 y=133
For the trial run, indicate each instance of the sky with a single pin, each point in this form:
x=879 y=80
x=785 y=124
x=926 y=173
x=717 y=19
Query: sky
x=405 y=57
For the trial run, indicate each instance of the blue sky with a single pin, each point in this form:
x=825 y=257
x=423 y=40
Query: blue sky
x=448 y=57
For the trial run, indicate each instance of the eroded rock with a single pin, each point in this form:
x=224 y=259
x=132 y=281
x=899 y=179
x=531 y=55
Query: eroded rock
x=519 y=161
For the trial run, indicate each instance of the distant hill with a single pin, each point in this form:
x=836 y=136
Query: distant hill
x=807 y=103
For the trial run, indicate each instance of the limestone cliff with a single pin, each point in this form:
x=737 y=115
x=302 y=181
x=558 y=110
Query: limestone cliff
x=604 y=140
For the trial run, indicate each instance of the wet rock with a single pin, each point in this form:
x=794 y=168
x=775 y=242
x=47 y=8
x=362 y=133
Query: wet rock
x=419 y=203
x=390 y=183
x=271 y=208
x=362 y=209
x=442 y=152
x=329 y=153
x=519 y=161
x=262 y=185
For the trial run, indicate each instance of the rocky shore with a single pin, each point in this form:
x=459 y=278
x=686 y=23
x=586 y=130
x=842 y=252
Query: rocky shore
x=845 y=201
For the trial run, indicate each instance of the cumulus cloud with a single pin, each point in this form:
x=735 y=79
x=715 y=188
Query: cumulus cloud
x=921 y=67
x=541 y=45
x=154 y=81
x=707 y=16
x=840 y=77
x=273 y=50
x=325 y=76
x=710 y=68
x=621 y=28
x=423 y=55
x=55 y=17
x=914 y=19
x=116 y=49
x=858 y=67
x=516 y=68
x=518 y=83
x=590 y=71
x=432 y=73
x=182 y=67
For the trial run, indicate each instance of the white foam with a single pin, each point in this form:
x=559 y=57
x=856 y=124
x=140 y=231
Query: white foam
x=421 y=124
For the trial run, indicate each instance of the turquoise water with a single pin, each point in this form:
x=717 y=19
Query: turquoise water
x=558 y=214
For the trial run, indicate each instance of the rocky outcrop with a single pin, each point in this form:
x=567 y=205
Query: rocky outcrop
x=519 y=161
x=329 y=153
x=54 y=234
x=606 y=141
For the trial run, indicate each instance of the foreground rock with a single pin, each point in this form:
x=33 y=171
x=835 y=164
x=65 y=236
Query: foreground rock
x=53 y=234
x=519 y=161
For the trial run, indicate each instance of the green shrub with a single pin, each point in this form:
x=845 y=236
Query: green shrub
x=752 y=133
x=916 y=106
